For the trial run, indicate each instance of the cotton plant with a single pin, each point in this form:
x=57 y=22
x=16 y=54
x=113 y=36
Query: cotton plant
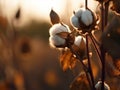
x=75 y=45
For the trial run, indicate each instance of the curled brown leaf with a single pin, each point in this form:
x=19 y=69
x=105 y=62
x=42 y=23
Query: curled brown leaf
x=80 y=82
x=67 y=60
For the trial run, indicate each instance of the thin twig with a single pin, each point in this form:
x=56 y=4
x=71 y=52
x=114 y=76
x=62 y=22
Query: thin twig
x=89 y=63
x=106 y=11
x=101 y=47
x=89 y=80
x=84 y=67
x=104 y=16
x=94 y=44
x=86 y=4
x=78 y=57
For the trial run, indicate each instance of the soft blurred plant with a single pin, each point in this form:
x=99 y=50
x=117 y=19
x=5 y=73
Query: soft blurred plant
x=88 y=31
x=8 y=35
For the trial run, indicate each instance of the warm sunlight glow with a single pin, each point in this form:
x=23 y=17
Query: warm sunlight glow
x=43 y=7
x=39 y=9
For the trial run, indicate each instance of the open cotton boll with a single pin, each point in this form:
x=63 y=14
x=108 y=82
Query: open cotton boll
x=57 y=28
x=98 y=86
x=78 y=40
x=74 y=21
x=56 y=41
x=87 y=17
x=79 y=12
x=84 y=20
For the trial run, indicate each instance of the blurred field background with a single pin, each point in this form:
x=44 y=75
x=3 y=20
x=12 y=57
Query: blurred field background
x=27 y=62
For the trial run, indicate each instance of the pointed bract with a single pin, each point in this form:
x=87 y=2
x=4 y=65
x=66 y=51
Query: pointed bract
x=17 y=16
x=54 y=17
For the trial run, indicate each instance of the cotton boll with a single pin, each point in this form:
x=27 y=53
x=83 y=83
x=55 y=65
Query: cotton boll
x=80 y=47
x=74 y=21
x=98 y=86
x=79 y=12
x=84 y=19
x=78 y=40
x=87 y=17
x=57 y=28
x=56 y=41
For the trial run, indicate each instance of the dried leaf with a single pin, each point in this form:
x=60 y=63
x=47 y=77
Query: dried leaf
x=54 y=17
x=73 y=62
x=117 y=64
x=80 y=82
x=67 y=60
x=111 y=66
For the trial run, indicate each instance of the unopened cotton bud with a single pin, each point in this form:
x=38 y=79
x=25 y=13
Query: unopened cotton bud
x=99 y=84
x=78 y=40
x=75 y=21
x=87 y=17
x=57 y=28
x=56 y=41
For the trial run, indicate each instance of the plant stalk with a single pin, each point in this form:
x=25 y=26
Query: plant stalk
x=89 y=63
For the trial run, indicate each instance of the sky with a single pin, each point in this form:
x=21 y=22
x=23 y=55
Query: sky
x=38 y=9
